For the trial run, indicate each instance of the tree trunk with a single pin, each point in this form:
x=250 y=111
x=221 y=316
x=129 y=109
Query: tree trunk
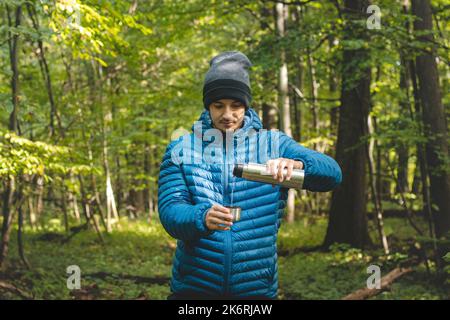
x=405 y=107
x=333 y=87
x=40 y=196
x=20 y=246
x=421 y=159
x=314 y=93
x=32 y=214
x=94 y=187
x=87 y=210
x=64 y=205
x=283 y=89
x=148 y=173
x=313 y=106
x=73 y=200
x=299 y=83
x=348 y=219
x=434 y=120
x=270 y=119
x=8 y=195
x=45 y=74
x=119 y=186
x=112 y=215
x=373 y=188
x=415 y=187
x=7 y=211
x=269 y=112
x=13 y=43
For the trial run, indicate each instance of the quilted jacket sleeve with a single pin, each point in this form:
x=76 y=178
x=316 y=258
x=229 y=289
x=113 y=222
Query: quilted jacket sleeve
x=322 y=173
x=181 y=219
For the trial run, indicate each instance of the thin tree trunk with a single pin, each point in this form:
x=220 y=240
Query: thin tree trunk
x=314 y=93
x=32 y=214
x=297 y=120
x=269 y=112
x=405 y=105
x=313 y=107
x=119 y=186
x=73 y=201
x=147 y=171
x=402 y=169
x=298 y=82
x=112 y=215
x=86 y=210
x=13 y=43
x=106 y=117
x=46 y=74
x=283 y=89
x=94 y=92
x=94 y=186
x=118 y=176
x=404 y=202
x=333 y=87
x=415 y=187
x=40 y=196
x=20 y=231
x=375 y=197
x=64 y=205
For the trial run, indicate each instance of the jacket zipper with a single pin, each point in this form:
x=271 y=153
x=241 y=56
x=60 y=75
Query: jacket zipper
x=228 y=242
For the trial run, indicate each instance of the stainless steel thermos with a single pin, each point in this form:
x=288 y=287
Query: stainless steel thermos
x=259 y=172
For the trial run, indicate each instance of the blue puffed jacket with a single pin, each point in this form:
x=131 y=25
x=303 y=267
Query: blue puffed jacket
x=241 y=262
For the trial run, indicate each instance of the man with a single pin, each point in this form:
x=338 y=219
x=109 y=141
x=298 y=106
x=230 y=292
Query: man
x=217 y=258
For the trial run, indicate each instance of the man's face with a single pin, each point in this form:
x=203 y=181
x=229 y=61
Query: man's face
x=227 y=114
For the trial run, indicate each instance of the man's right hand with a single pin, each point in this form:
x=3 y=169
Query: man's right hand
x=218 y=218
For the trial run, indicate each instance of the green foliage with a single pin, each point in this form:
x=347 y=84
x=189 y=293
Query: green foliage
x=20 y=156
x=447 y=267
x=91 y=28
x=138 y=249
x=447 y=257
x=311 y=235
x=145 y=250
x=343 y=270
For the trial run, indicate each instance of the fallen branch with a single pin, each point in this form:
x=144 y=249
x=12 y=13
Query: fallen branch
x=13 y=289
x=386 y=281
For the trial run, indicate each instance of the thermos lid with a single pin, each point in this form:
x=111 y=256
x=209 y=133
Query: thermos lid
x=238 y=169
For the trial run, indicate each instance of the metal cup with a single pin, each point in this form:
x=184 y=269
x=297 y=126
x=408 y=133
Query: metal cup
x=235 y=212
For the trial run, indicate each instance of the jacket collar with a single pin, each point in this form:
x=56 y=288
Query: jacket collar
x=251 y=121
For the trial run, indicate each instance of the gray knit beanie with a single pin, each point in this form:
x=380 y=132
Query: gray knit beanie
x=228 y=78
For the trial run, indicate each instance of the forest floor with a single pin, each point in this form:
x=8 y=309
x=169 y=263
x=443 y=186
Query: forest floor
x=135 y=263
